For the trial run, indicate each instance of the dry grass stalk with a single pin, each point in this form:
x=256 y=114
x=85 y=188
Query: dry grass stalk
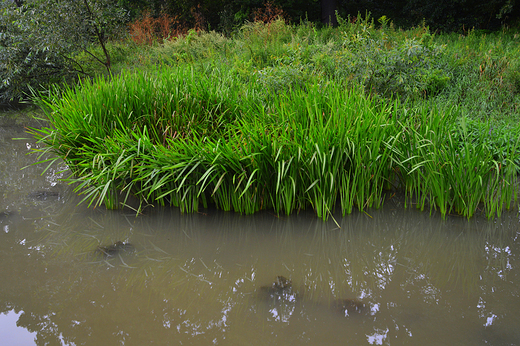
x=148 y=29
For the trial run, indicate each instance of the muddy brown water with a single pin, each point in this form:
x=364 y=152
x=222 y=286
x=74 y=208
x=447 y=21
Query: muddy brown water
x=196 y=279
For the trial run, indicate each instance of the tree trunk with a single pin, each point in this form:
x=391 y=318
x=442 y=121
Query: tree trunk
x=100 y=36
x=328 y=12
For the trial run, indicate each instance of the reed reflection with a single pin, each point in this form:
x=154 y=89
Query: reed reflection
x=383 y=277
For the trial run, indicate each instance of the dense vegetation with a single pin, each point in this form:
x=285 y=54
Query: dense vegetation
x=292 y=116
x=444 y=15
x=44 y=42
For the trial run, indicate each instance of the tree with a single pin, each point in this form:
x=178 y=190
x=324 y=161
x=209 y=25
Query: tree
x=328 y=12
x=72 y=26
x=454 y=15
x=41 y=40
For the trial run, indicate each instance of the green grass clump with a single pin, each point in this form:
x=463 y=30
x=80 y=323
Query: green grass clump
x=448 y=168
x=289 y=117
x=195 y=135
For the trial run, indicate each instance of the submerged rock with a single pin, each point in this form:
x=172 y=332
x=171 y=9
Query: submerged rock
x=6 y=214
x=280 y=286
x=44 y=195
x=281 y=290
x=349 y=307
x=114 y=249
x=278 y=300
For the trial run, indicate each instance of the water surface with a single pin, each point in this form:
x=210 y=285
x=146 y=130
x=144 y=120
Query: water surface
x=196 y=279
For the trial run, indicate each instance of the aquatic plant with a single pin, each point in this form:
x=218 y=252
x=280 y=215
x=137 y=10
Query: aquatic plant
x=190 y=136
x=447 y=170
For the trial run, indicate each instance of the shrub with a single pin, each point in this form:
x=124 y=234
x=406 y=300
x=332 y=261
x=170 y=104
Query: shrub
x=196 y=46
x=410 y=68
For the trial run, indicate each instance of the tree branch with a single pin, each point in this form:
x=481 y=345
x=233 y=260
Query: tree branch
x=81 y=70
x=100 y=36
x=95 y=57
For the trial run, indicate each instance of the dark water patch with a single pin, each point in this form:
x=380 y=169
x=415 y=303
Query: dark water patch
x=282 y=295
x=281 y=286
x=7 y=214
x=44 y=195
x=16 y=118
x=349 y=307
x=115 y=249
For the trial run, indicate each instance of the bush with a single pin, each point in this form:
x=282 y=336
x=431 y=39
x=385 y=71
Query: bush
x=413 y=67
x=21 y=65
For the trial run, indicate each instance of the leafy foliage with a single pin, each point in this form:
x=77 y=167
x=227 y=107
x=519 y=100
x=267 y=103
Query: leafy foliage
x=408 y=67
x=20 y=61
x=40 y=41
x=459 y=14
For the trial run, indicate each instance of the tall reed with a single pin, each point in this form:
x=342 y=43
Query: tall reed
x=191 y=136
x=442 y=167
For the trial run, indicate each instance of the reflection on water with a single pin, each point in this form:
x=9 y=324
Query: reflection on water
x=390 y=277
x=13 y=335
